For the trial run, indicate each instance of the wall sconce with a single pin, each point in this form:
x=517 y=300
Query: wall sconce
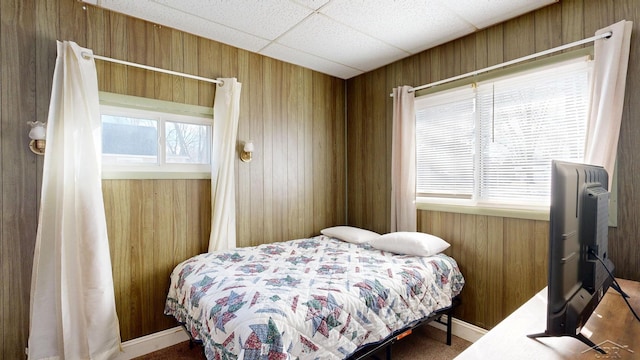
x=247 y=150
x=37 y=134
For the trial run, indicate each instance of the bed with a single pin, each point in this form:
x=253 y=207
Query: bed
x=306 y=299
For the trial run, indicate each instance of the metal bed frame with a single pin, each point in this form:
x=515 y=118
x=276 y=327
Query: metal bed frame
x=369 y=351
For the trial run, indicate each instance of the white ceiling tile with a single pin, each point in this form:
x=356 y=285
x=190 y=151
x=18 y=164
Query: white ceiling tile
x=318 y=35
x=406 y=24
x=312 y=4
x=297 y=57
x=160 y=14
x=484 y=13
x=339 y=37
x=266 y=19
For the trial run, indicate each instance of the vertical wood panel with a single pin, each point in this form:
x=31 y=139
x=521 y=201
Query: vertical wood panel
x=548 y=27
x=73 y=25
x=467 y=258
x=572 y=20
x=519 y=259
x=256 y=133
x=139 y=50
x=147 y=223
x=319 y=160
x=116 y=196
x=177 y=64
x=308 y=154
x=270 y=77
x=208 y=66
x=279 y=142
x=98 y=41
x=519 y=37
x=380 y=180
x=541 y=251
x=480 y=293
x=495 y=48
x=162 y=58
x=354 y=129
x=165 y=229
x=180 y=221
x=290 y=131
x=496 y=270
x=190 y=66
x=242 y=169
x=117 y=82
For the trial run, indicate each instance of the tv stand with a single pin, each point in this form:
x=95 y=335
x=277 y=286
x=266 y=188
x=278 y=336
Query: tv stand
x=612 y=327
x=580 y=337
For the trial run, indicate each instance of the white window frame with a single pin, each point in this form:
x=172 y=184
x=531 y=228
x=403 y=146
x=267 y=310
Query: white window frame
x=472 y=206
x=162 y=112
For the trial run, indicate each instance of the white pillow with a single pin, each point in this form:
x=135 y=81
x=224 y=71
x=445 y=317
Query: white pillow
x=350 y=234
x=410 y=243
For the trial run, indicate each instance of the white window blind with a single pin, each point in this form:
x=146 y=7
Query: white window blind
x=495 y=144
x=445 y=126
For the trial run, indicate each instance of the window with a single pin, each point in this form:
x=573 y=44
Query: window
x=491 y=144
x=153 y=139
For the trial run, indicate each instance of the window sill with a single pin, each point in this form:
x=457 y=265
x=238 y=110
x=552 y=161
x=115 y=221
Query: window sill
x=161 y=175
x=516 y=213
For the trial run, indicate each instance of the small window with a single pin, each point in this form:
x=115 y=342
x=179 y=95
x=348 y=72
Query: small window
x=145 y=140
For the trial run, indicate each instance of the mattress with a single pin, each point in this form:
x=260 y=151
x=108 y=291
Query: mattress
x=305 y=299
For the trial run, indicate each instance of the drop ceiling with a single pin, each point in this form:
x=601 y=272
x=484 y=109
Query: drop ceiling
x=343 y=38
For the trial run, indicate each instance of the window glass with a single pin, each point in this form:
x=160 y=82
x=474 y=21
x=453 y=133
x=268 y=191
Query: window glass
x=445 y=127
x=144 y=138
x=127 y=140
x=187 y=143
x=493 y=142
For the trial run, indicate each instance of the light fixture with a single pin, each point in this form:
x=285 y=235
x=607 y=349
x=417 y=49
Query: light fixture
x=37 y=134
x=247 y=150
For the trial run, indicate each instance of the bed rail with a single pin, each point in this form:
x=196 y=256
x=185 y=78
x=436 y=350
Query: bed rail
x=370 y=351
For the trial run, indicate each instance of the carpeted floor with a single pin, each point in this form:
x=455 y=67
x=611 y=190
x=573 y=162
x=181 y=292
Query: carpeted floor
x=426 y=342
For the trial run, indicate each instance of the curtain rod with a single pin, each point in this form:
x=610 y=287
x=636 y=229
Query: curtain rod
x=514 y=61
x=87 y=55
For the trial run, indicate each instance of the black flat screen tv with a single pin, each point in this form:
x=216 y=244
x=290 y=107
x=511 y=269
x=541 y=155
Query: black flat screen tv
x=578 y=240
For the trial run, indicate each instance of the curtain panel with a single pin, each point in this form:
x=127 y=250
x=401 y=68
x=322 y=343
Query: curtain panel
x=73 y=312
x=611 y=59
x=226 y=112
x=403 y=161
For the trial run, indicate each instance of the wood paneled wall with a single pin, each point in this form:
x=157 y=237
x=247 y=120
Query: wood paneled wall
x=152 y=225
x=504 y=259
x=294 y=186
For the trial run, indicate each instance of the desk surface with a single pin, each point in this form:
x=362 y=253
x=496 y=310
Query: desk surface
x=612 y=326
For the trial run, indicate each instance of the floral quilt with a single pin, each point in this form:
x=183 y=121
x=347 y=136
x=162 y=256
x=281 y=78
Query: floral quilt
x=317 y=298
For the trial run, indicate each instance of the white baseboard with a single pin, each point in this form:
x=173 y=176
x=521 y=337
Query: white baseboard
x=160 y=340
x=461 y=329
x=150 y=343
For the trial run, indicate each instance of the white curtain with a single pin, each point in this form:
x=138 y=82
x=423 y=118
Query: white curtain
x=73 y=313
x=403 y=161
x=226 y=111
x=611 y=58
